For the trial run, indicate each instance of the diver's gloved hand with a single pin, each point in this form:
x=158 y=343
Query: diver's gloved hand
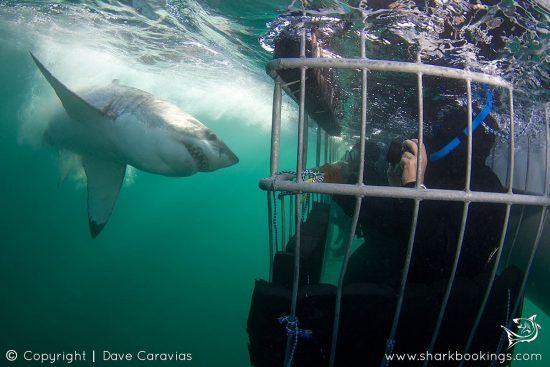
x=404 y=173
x=408 y=162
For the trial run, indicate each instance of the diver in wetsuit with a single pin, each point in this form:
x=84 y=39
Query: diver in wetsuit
x=386 y=222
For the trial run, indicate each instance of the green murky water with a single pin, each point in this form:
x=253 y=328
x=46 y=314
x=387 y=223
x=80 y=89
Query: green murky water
x=173 y=271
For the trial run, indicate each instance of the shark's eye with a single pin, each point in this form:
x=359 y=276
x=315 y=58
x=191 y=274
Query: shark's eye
x=211 y=136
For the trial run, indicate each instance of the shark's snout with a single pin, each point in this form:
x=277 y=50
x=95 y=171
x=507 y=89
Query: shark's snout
x=226 y=157
x=209 y=153
x=228 y=154
x=220 y=156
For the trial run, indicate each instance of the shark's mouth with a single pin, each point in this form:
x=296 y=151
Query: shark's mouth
x=198 y=156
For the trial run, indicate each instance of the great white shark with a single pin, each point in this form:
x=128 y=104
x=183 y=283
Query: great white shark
x=114 y=126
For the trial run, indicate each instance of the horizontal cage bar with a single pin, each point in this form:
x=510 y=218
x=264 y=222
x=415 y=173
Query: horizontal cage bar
x=276 y=184
x=383 y=65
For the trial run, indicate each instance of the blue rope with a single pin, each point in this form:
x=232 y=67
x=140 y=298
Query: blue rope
x=292 y=330
x=450 y=146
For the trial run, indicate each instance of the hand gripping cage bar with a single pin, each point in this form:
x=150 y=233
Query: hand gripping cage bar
x=276 y=183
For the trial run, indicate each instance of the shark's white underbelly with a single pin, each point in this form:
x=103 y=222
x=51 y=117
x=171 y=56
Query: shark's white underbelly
x=125 y=140
x=142 y=146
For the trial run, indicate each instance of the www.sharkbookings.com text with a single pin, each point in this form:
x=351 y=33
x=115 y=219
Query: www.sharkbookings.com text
x=93 y=356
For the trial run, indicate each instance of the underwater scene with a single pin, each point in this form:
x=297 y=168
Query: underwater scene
x=134 y=135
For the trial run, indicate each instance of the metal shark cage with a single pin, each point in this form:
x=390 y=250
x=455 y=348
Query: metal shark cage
x=295 y=183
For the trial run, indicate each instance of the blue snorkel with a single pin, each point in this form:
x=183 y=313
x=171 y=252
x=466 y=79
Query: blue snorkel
x=450 y=146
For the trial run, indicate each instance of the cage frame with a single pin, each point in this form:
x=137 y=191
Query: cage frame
x=276 y=182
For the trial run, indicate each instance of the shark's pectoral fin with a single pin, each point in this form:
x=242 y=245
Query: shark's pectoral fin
x=104 y=181
x=75 y=106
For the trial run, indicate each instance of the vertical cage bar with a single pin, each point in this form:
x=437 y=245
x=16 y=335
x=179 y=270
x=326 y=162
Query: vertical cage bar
x=520 y=220
x=298 y=207
x=276 y=128
x=299 y=169
x=318 y=147
x=521 y=291
x=420 y=130
x=462 y=224
x=364 y=96
x=470 y=137
x=283 y=223
x=274 y=163
x=510 y=183
x=450 y=282
x=547 y=179
x=357 y=210
x=306 y=141
x=326 y=198
x=270 y=232
x=390 y=343
x=326 y=159
x=527 y=164
x=291 y=228
x=335 y=326
x=317 y=197
x=514 y=239
x=502 y=236
x=275 y=224
x=490 y=284
x=512 y=143
x=541 y=224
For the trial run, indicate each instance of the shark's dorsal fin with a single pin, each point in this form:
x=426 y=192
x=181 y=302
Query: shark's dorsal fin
x=104 y=181
x=75 y=106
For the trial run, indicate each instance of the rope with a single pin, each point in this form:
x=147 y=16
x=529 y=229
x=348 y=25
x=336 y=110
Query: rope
x=390 y=345
x=508 y=307
x=292 y=330
x=507 y=321
x=308 y=175
x=275 y=230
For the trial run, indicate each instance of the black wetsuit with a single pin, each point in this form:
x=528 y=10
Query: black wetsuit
x=375 y=269
x=386 y=225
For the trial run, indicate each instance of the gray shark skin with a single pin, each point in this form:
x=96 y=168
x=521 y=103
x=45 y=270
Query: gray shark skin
x=114 y=126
